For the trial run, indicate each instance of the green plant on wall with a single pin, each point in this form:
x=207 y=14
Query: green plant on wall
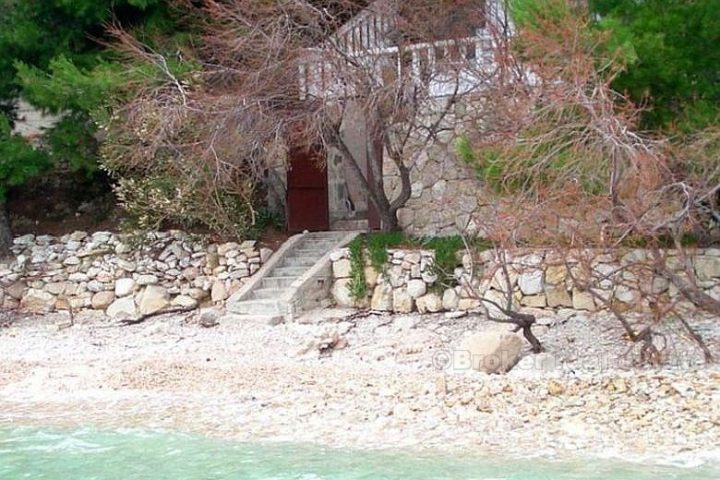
x=358 y=284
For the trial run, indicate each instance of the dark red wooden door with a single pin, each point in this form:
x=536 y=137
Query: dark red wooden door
x=307 y=192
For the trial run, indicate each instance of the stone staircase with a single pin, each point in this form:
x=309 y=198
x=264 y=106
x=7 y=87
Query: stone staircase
x=296 y=278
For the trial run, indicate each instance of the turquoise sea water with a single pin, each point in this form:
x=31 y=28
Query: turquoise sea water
x=29 y=453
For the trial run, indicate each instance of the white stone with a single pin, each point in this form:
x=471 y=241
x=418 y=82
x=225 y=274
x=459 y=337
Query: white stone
x=531 y=283
x=450 y=299
x=402 y=302
x=341 y=293
x=382 y=298
x=341 y=268
x=429 y=303
x=416 y=288
x=491 y=352
x=184 y=301
x=582 y=301
x=218 y=292
x=124 y=287
x=143 y=280
x=122 y=308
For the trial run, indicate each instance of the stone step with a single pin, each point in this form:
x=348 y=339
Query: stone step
x=288 y=271
x=268 y=293
x=312 y=252
x=256 y=307
x=277 y=282
x=299 y=261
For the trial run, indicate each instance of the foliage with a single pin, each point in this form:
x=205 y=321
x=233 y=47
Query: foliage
x=674 y=54
x=358 y=282
x=18 y=160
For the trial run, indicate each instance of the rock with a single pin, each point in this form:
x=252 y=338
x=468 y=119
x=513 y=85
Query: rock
x=153 y=299
x=37 y=301
x=467 y=304
x=371 y=277
x=491 y=352
x=429 y=303
x=341 y=293
x=534 y=301
x=218 y=292
x=582 y=300
x=558 y=297
x=57 y=288
x=450 y=299
x=198 y=293
x=341 y=268
x=184 y=301
x=16 y=290
x=124 y=287
x=122 y=308
x=707 y=267
x=78 y=236
x=127 y=265
x=555 y=388
x=555 y=274
x=265 y=254
x=416 y=288
x=382 y=298
x=102 y=300
x=227 y=247
x=402 y=302
x=71 y=261
x=143 y=280
x=531 y=283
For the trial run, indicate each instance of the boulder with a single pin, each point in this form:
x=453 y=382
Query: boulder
x=371 y=277
x=124 y=287
x=122 y=308
x=37 y=301
x=416 y=288
x=429 y=303
x=466 y=304
x=265 y=254
x=707 y=267
x=153 y=299
x=382 y=298
x=342 y=268
x=491 y=352
x=534 y=301
x=102 y=300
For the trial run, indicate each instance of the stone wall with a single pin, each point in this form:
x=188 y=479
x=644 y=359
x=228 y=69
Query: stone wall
x=580 y=279
x=103 y=271
x=444 y=189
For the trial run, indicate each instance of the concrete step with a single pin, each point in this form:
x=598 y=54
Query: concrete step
x=312 y=252
x=256 y=307
x=268 y=293
x=299 y=261
x=288 y=271
x=277 y=282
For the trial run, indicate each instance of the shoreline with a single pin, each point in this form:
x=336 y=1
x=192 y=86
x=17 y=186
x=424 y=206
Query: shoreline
x=250 y=383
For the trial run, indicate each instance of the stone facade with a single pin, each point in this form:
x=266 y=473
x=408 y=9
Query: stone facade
x=587 y=280
x=104 y=272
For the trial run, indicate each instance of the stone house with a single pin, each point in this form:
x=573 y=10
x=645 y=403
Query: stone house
x=327 y=195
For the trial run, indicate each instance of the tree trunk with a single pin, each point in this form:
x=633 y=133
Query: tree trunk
x=6 y=237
